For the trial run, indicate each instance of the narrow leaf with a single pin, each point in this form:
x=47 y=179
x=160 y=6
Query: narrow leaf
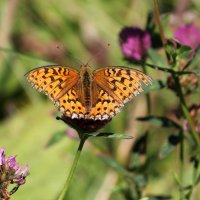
x=114 y=164
x=166 y=149
x=55 y=138
x=184 y=51
x=160 y=121
x=110 y=135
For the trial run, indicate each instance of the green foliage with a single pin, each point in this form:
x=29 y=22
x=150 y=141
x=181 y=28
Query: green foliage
x=110 y=135
x=161 y=164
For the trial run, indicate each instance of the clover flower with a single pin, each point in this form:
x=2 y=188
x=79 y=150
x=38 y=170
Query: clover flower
x=188 y=35
x=134 y=43
x=10 y=173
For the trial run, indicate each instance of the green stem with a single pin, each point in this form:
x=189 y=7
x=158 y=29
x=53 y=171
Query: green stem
x=73 y=168
x=148 y=99
x=157 y=19
x=181 y=156
x=185 y=110
x=164 y=69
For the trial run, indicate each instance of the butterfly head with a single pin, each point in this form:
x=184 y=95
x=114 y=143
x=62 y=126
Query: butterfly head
x=85 y=69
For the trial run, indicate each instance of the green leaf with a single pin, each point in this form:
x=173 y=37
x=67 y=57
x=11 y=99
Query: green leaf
x=140 y=180
x=184 y=51
x=166 y=149
x=114 y=164
x=55 y=138
x=110 y=135
x=171 y=49
x=135 y=161
x=170 y=145
x=180 y=184
x=155 y=57
x=160 y=121
x=196 y=59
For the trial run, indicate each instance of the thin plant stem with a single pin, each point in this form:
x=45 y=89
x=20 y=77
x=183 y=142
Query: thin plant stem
x=181 y=98
x=157 y=19
x=148 y=99
x=178 y=86
x=73 y=168
x=168 y=70
x=181 y=157
x=158 y=22
x=185 y=110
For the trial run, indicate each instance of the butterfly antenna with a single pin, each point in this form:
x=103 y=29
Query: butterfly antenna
x=96 y=54
x=69 y=55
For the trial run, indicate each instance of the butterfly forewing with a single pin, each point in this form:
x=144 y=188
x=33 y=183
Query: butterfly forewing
x=59 y=84
x=120 y=85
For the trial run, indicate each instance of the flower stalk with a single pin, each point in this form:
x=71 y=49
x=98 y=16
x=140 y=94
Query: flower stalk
x=185 y=110
x=176 y=80
x=83 y=138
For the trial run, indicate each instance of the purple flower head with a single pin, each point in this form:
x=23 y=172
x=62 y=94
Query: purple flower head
x=188 y=35
x=134 y=43
x=10 y=173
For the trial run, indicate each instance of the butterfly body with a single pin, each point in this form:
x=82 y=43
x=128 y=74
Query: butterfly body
x=86 y=83
x=87 y=93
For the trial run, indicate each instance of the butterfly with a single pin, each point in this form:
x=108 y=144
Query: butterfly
x=87 y=93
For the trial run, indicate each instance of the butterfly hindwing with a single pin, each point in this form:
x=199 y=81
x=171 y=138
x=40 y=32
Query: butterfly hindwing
x=105 y=106
x=70 y=105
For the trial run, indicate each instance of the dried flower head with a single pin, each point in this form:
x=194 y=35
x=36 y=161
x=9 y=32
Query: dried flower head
x=134 y=43
x=84 y=125
x=195 y=115
x=188 y=35
x=189 y=82
x=10 y=173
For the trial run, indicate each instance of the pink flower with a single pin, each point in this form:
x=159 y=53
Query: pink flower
x=134 y=43
x=188 y=35
x=10 y=173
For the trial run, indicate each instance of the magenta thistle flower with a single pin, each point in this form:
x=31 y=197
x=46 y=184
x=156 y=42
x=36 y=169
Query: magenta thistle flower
x=188 y=35
x=10 y=173
x=134 y=43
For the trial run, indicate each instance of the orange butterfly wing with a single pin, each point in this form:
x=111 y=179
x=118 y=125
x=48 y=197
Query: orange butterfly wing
x=59 y=84
x=115 y=87
x=112 y=87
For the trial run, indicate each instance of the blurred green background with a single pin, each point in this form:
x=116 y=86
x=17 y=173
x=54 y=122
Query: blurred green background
x=37 y=33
